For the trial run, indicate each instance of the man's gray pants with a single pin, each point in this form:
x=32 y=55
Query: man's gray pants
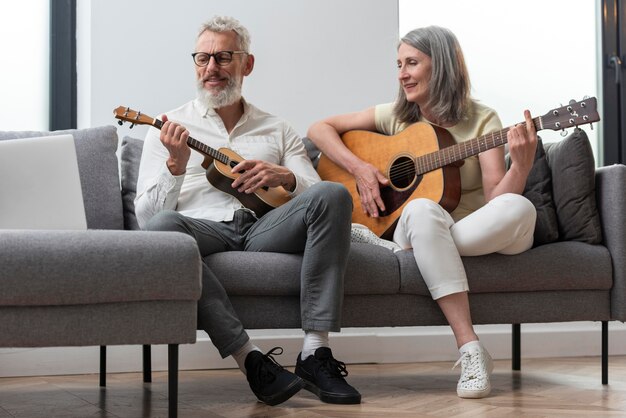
x=316 y=223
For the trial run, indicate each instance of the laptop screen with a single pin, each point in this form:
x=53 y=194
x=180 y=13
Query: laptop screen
x=40 y=184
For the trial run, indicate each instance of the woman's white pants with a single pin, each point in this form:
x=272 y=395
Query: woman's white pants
x=504 y=225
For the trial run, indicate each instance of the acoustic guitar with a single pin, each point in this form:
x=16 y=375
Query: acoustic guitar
x=218 y=164
x=423 y=161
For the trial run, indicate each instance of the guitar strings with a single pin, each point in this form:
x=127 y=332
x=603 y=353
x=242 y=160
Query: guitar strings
x=429 y=162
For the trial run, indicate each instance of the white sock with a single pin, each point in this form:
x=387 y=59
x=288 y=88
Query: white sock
x=241 y=354
x=312 y=341
x=469 y=345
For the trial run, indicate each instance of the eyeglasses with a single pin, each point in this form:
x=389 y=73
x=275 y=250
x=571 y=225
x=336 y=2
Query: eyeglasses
x=201 y=59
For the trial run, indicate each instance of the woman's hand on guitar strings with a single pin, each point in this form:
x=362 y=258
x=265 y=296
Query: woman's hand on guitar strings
x=368 y=181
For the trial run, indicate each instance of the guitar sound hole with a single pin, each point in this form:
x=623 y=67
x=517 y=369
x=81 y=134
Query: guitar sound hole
x=402 y=172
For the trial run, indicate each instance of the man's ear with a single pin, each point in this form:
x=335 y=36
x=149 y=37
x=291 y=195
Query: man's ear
x=249 y=65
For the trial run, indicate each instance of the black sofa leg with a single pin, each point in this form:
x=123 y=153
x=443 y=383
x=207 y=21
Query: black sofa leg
x=103 y=365
x=516 y=346
x=172 y=379
x=605 y=352
x=147 y=363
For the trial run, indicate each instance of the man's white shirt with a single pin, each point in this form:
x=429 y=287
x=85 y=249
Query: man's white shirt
x=258 y=135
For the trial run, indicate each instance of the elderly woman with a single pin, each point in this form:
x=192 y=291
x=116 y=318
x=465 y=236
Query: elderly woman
x=492 y=216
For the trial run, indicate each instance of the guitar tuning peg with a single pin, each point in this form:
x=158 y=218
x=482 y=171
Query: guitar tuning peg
x=564 y=133
x=591 y=126
x=572 y=101
x=119 y=122
x=132 y=125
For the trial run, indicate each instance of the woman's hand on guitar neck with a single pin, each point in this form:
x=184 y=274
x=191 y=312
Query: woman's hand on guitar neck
x=368 y=180
x=174 y=138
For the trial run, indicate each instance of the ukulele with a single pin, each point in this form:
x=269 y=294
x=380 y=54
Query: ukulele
x=218 y=164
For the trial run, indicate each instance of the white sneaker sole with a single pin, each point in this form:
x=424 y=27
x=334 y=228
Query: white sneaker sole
x=473 y=394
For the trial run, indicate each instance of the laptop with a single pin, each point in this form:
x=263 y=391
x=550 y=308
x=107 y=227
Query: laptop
x=40 y=184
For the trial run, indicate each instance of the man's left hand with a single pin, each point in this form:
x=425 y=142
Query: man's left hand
x=255 y=174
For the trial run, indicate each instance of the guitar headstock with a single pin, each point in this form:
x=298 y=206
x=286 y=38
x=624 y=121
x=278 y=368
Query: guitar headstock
x=126 y=114
x=574 y=114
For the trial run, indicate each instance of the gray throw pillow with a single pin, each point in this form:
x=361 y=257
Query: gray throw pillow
x=538 y=190
x=311 y=150
x=130 y=155
x=573 y=188
x=98 y=168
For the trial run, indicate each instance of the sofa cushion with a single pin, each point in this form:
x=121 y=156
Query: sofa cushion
x=130 y=156
x=573 y=188
x=371 y=270
x=551 y=267
x=99 y=172
x=42 y=268
x=538 y=190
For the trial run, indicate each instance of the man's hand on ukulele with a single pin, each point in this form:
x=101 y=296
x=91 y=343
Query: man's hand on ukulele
x=174 y=138
x=368 y=181
x=254 y=174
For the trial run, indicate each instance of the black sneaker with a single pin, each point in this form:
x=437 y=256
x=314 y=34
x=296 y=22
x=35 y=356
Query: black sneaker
x=268 y=380
x=324 y=376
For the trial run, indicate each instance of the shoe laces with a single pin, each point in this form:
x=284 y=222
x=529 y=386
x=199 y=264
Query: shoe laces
x=472 y=366
x=270 y=367
x=333 y=367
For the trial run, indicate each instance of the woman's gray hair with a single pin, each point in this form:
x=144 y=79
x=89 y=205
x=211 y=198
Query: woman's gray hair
x=449 y=87
x=225 y=24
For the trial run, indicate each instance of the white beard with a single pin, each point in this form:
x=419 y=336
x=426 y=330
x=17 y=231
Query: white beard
x=227 y=96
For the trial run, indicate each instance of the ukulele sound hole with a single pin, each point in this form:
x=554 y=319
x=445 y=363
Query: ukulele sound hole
x=402 y=172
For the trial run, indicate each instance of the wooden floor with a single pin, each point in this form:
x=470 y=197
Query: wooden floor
x=564 y=387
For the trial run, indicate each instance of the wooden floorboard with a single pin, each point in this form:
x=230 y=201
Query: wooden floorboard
x=563 y=387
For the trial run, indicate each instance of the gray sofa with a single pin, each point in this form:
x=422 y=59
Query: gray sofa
x=575 y=272
x=103 y=286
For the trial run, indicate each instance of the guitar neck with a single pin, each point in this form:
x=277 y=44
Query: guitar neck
x=466 y=149
x=199 y=146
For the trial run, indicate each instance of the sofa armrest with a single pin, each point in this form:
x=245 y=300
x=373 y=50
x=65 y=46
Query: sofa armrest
x=611 y=199
x=42 y=268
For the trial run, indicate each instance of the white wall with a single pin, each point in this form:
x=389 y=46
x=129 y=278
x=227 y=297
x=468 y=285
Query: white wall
x=314 y=58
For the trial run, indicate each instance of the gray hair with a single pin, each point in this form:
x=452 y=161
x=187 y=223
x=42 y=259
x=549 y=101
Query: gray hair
x=225 y=24
x=449 y=87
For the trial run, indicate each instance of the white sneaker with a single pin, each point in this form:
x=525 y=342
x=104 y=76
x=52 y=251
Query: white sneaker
x=476 y=368
x=361 y=233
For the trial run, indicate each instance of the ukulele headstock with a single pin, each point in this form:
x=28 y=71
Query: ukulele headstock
x=126 y=114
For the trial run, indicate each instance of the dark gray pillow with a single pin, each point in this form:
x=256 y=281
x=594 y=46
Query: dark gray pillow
x=98 y=168
x=538 y=190
x=573 y=188
x=312 y=151
x=130 y=155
